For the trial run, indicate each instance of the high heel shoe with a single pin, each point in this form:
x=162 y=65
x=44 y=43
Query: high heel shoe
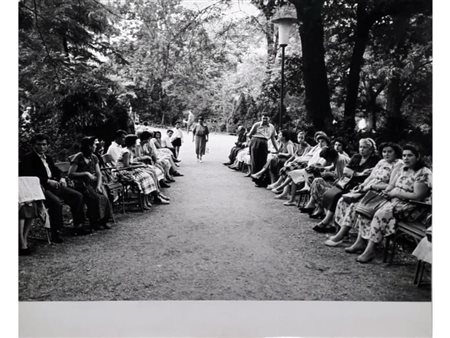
x=365 y=260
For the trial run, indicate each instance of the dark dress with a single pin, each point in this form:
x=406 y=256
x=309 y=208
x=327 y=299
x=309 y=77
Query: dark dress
x=200 y=133
x=238 y=146
x=99 y=207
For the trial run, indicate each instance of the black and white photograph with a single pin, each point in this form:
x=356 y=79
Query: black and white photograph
x=225 y=150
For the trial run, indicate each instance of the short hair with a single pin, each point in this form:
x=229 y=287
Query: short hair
x=340 y=141
x=397 y=149
x=39 y=137
x=145 y=123
x=145 y=135
x=120 y=133
x=416 y=151
x=86 y=143
x=130 y=140
x=329 y=154
x=169 y=131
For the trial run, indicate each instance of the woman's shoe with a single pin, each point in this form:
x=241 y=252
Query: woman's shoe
x=247 y=174
x=330 y=242
x=167 y=198
x=161 y=201
x=364 y=260
x=289 y=203
x=24 y=252
x=324 y=228
x=177 y=173
x=307 y=210
x=317 y=215
x=352 y=250
x=277 y=191
x=164 y=185
x=281 y=196
x=254 y=176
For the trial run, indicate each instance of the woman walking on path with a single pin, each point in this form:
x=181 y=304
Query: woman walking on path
x=200 y=134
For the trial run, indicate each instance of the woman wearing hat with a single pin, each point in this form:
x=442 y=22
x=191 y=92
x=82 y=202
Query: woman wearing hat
x=358 y=169
x=85 y=171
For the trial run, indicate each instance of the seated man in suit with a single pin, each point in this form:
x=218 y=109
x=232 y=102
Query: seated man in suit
x=37 y=163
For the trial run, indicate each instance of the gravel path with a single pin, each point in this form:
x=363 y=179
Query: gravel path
x=221 y=238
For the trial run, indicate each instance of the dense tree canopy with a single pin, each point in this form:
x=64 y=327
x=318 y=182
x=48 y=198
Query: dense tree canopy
x=90 y=66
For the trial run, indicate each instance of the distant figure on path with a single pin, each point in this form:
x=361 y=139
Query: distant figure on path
x=190 y=121
x=260 y=133
x=177 y=138
x=200 y=134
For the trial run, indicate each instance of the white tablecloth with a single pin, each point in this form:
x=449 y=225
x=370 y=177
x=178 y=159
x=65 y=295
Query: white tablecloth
x=423 y=251
x=30 y=189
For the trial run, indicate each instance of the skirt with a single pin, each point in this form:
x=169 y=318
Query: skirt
x=200 y=145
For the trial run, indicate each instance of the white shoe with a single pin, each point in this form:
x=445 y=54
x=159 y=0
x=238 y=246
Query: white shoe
x=200 y=161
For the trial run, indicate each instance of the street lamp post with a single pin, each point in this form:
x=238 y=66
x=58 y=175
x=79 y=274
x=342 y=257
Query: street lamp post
x=284 y=18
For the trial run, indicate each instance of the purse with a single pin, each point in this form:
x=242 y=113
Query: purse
x=370 y=203
x=352 y=196
x=343 y=182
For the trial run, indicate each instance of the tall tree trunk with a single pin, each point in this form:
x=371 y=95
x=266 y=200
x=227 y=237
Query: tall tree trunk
x=363 y=26
x=271 y=44
x=317 y=96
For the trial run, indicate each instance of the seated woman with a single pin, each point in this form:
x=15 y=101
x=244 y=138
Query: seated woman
x=412 y=183
x=384 y=172
x=358 y=169
x=238 y=145
x=136 y=172
x=302 y=176
x=163 y=154
x=339 y=146
x=145 y=154
x=326 y=176
x=85 y=171
x=277 y=159
x=298 y=160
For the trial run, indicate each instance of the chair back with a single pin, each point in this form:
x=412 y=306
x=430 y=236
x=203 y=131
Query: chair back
x=107 y=158
x=63 y=166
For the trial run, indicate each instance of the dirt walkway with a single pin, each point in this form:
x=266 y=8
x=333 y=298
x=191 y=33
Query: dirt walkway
x=220 y=239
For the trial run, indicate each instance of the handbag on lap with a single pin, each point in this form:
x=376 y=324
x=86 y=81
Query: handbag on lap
x=370 y=203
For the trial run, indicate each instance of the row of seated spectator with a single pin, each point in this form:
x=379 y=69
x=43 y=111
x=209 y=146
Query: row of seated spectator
x=364 y=193
x=148 y=164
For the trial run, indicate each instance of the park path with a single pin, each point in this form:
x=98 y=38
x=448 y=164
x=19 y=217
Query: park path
x=221 y=238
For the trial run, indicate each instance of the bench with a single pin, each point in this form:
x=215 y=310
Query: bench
x=416 y=231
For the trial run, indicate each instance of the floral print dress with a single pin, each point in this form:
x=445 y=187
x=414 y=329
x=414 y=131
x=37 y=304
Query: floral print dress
x=384 y=221
x=383 y=172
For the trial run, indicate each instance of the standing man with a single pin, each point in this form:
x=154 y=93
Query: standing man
x=37 y=163
x=260 y=133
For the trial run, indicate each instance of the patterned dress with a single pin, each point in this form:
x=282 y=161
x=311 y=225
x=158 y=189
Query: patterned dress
x=384 y=221
x=319 y=185
x=382 y=173
x=145 y=181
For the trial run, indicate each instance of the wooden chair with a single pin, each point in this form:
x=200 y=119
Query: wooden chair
x=130 y=194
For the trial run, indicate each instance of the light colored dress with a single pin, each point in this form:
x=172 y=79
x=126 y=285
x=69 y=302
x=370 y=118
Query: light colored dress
x=384 y=222
x=384 y=172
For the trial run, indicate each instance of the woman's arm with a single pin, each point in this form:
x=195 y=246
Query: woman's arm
x=99 y=178
x=419 y=193
x=74 y=174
